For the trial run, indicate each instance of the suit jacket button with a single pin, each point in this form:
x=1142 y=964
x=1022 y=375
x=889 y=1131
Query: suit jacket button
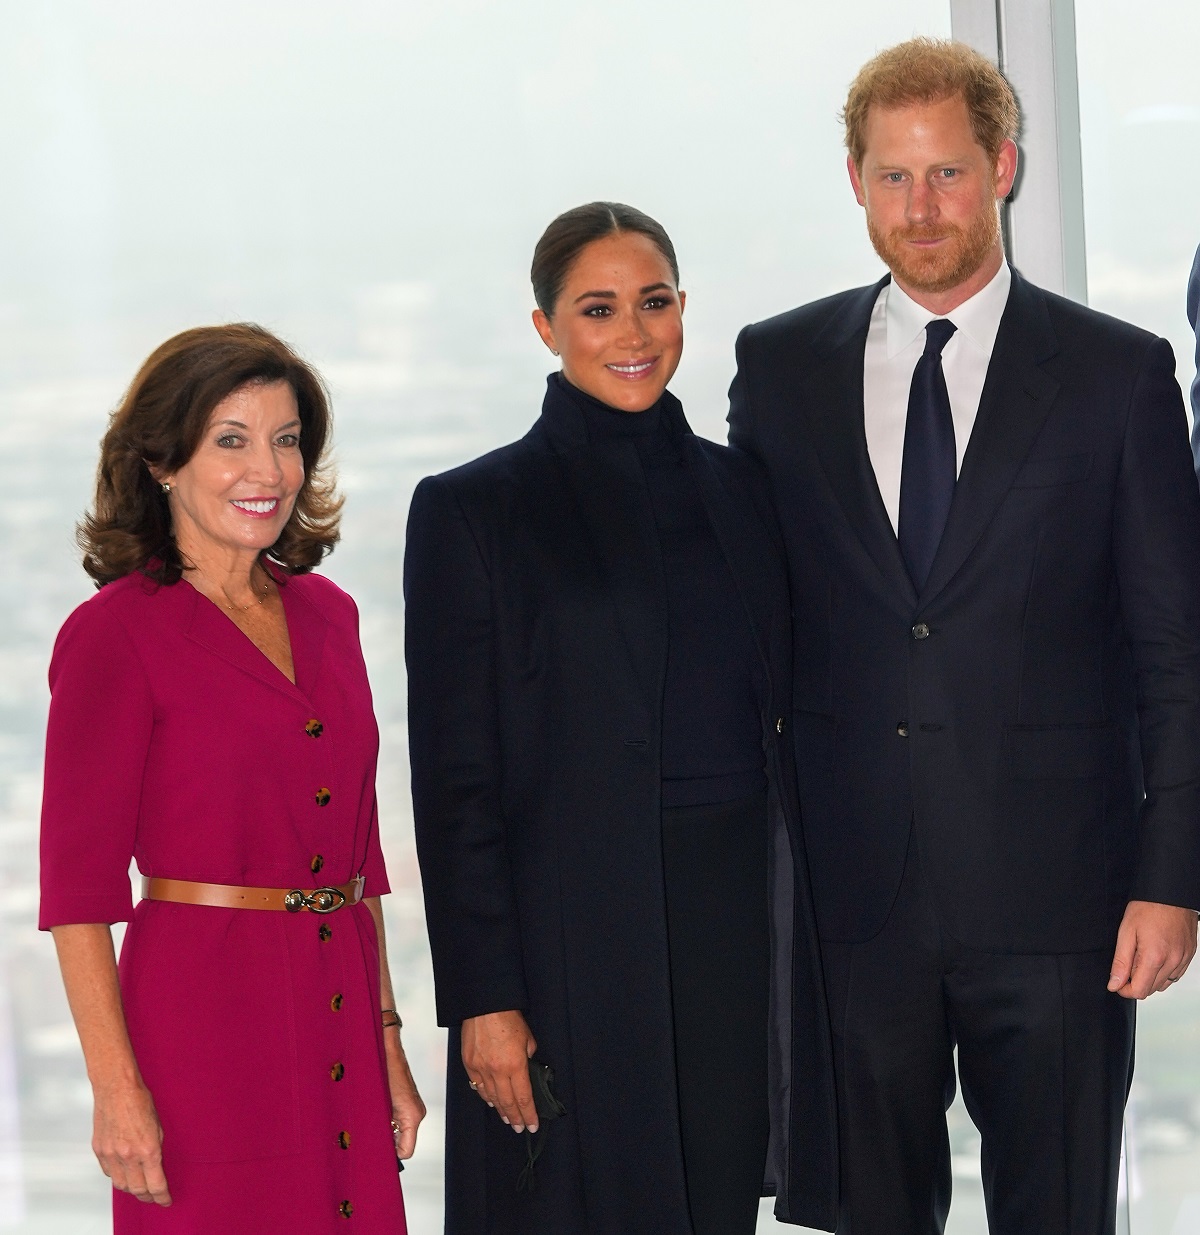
x=920 y=631
x=902 y=729
x=337 y=1072
x=323 y=797
x=314 y=728
x=780 y=725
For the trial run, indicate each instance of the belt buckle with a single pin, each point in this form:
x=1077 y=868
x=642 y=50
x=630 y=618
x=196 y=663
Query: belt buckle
x=320 y=900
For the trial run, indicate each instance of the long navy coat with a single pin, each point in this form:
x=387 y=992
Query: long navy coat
x=536 y=647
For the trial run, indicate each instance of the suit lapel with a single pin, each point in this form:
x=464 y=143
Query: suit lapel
x=837 y=430
x=1017 y=397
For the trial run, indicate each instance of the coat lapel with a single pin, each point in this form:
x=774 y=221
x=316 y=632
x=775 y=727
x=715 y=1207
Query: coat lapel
x=610 y=489
x=608 y=484
x=759 y=575
x=837 y=430
x=1017 y=397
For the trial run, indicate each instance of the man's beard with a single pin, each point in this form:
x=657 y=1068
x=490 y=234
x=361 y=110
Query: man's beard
x=948 y=265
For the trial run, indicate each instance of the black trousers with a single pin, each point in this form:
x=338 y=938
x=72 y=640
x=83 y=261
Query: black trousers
x=1045 y=1058
x=715 y=869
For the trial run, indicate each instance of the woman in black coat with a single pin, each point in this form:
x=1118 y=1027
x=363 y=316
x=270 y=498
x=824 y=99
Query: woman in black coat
x=598 y=649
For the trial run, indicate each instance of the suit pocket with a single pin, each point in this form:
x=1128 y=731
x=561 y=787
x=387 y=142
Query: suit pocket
x=1047 y=473
x=1061 y=752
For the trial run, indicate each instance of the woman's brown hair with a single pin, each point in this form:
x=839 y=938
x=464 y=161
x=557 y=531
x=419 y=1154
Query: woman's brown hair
x=569 y=234
x=160 y=423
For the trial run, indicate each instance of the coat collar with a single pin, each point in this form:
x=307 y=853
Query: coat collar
x=567 y=415
x=606 y=476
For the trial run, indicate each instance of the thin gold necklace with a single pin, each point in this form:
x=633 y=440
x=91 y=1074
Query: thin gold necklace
x=242 y=608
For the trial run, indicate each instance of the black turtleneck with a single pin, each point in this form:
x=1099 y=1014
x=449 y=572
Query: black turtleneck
x=711 y=731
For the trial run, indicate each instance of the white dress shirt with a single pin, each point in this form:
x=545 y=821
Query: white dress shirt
x=895 y=342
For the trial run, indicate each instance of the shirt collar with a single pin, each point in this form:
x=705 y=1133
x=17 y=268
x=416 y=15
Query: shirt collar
x=978 y=318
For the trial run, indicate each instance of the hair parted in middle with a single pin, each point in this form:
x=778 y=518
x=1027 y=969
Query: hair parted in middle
x=925 y=70
x=574 y=230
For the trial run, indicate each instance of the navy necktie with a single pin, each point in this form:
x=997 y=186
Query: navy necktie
x=929 y=467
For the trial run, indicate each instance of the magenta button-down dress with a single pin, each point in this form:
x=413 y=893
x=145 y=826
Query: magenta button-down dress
x=173 y=740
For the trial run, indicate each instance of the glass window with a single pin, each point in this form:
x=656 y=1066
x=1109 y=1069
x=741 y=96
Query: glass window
x=1140 y=125
x=368 y=179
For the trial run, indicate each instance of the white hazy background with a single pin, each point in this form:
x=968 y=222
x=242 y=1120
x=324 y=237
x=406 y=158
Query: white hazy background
x=369 y=181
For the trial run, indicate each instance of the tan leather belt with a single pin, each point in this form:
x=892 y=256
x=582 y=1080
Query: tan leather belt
x=229 y=896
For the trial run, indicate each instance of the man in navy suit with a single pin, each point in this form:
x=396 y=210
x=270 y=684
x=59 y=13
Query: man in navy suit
x=993 y=532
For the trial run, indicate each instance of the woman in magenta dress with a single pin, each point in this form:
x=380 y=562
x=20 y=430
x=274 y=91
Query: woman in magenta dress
x=211 y=718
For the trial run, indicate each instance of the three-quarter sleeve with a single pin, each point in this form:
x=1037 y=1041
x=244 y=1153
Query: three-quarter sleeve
x=97 y=741
x=374 y=871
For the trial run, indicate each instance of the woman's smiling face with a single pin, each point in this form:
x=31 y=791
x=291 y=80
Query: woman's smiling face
x=618 y=322
x=237 y=491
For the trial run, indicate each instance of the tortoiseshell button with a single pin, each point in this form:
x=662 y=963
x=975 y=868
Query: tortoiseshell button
x=324 y=934
x=344 y=1140
x=336 y=1003
x=337 y=1071
x=323 y=797
x=345 y=1209
x=317 y=862
x=314 y=728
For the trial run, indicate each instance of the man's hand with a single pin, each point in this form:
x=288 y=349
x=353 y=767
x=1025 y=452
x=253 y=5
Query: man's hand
x=1155 y=945
x=496 y=1050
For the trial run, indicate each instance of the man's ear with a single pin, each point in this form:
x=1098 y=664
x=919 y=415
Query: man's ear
x=855 y=180
x=1006 y=169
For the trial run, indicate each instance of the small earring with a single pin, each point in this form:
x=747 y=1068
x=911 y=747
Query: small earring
x=166 y=488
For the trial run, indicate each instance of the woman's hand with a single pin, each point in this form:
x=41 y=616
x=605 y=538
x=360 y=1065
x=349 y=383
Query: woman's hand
x=126 y=1135
x=496 y=1049
x=407 y=1108
x=127 y=1142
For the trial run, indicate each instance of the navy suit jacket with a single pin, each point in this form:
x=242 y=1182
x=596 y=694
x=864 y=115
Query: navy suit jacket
x=1010 y=715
